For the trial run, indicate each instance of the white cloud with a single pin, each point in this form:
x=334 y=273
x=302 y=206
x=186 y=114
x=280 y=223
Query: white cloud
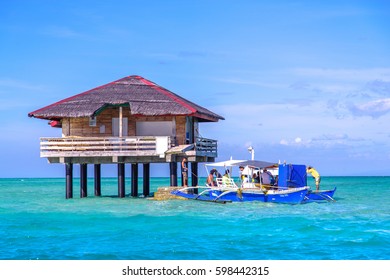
x=331 y=137
x=292 y=128
x=297 y=142
x=284 y=142
x=342 y=82
x=374 y=109
x=378 y=86
x=352 y=92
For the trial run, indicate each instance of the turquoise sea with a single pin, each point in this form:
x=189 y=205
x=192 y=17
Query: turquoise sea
x=37 y=222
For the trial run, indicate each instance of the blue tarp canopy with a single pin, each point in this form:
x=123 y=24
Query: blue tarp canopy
x=292 y=175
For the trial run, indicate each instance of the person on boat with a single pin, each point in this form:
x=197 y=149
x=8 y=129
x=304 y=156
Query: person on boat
x=241 y=170
x=315 y=175
x=184 y=171
x=267 y=178
x=243 y=178
x=256 y=178
x=226 y=178
x=276 y=178
x=217 y=174
x=210 y=179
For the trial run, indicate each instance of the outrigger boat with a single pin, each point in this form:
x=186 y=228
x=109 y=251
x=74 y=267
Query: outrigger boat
x=290 y=186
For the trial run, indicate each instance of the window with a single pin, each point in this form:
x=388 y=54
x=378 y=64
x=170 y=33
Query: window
x=92 y=121
x=157 y=128
x=115 y=127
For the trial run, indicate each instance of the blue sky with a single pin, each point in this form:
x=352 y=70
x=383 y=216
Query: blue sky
x=302 y=81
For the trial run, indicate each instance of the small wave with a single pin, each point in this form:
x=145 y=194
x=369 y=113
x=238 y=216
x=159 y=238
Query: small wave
x=385 y=231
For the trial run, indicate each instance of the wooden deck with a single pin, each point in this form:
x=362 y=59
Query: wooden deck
x=157 y=147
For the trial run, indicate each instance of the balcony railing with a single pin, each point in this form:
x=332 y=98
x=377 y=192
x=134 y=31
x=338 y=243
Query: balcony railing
x=105 y=146
x=206 y=147
x=119 y=146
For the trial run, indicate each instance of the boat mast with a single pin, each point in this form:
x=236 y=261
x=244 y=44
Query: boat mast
x=252 y=151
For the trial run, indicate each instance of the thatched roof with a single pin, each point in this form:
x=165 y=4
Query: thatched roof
x=144 y=98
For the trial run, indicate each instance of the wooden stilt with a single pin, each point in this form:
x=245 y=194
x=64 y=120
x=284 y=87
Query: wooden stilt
x=83 y=180
x=98 y=179
x=173 y=173
x=134 y=179
x=194 y=175
x=121 y=180
x=146 y=177
x=69 y=180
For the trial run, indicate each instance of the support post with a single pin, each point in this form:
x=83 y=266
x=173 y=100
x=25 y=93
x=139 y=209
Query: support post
x=83 y=180
x=69 y=180
x=98 y=179
x=121 y=180
x=194 y=175
x=120 y=122
x=146 y=177
x=173 y=173
x=134 y=179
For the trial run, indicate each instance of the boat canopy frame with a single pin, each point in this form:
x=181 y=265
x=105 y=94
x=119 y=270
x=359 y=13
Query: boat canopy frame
x=235 y=162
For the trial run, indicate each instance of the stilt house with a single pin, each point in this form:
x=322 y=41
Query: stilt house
x=131 y=120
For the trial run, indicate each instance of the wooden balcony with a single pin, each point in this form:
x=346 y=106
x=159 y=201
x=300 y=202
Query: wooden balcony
x=57 y=149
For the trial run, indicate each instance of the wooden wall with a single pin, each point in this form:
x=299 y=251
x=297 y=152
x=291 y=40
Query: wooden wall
x=181 y=130
x=80 y=126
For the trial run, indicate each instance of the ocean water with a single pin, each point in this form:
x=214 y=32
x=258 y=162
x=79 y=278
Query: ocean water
x=37 y=222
